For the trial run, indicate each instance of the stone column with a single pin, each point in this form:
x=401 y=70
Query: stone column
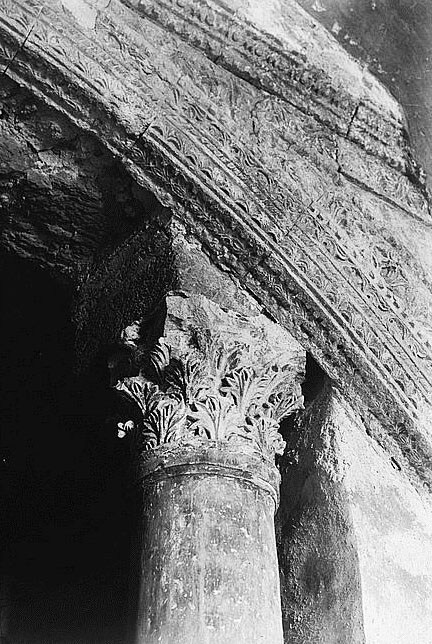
x=210 y=394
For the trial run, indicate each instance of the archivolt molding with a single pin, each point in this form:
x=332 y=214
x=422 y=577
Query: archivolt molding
x=261 y=59
x=265 y=63
x=255 y=181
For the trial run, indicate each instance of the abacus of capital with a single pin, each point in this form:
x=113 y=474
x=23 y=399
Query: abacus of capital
x=211 y=394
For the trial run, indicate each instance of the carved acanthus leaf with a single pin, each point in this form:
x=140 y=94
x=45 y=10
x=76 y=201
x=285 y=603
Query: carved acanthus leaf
x=211 y=393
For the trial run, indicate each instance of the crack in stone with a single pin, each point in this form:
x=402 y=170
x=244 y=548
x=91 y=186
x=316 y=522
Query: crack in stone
x=352 y=119
x=394 y=204
x=22 y=45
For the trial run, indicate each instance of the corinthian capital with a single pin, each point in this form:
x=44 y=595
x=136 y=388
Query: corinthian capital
x=216 y=376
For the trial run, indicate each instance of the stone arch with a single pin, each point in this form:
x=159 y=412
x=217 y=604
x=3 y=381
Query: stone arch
x=299 y=187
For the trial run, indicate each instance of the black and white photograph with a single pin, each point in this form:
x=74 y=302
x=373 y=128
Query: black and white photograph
x=216 y=321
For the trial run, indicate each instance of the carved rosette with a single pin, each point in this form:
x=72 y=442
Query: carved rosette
x=215 y=388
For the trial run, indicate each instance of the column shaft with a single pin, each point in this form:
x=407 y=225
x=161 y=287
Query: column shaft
x=209 y=564
x=210 y=394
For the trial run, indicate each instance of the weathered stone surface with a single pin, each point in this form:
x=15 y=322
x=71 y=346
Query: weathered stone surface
x=317 y=548
x=64 y=200
x=271 y=176
x=209 y=562
x=210 y=396
x=354 y=535
x=131 y=283
x=284 y=173
x=393 y=41
x=214 y=375
x=392 y=523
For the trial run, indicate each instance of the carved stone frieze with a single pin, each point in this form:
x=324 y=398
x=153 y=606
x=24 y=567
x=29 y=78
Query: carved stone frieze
x=219 y=384
x=259 y=184
x=263 y=60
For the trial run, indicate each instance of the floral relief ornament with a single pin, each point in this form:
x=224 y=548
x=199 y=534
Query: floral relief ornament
x=211 y=393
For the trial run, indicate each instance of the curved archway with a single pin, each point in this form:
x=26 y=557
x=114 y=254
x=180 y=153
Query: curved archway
x=296 y=184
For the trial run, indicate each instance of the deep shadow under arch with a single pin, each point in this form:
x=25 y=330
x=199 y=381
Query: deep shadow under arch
x=66 y=521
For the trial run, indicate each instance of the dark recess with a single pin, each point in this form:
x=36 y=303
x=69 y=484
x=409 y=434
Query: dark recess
x=315 y=379
x=66 y=520
x=68 y=507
